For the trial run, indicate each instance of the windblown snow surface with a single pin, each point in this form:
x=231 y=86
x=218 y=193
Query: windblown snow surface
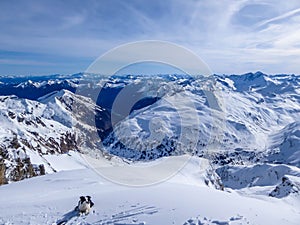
x=183 y=199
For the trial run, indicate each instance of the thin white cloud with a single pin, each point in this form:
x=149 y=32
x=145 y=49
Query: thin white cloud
x=278 y=18
x=218 y=31
x=25 y=62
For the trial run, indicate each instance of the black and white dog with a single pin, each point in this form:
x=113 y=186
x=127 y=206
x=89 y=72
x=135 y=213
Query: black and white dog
x=84 y=205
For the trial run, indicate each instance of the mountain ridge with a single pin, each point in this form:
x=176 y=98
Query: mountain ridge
x=254 y=111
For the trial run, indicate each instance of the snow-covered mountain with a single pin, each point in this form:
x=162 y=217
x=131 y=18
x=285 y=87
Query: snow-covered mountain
x=32 y=130
x=256 y=117
x=285 y=145
x=245 y=127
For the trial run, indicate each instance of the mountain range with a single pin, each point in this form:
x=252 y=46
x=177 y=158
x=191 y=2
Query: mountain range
x=257 y=118
x=246 y=126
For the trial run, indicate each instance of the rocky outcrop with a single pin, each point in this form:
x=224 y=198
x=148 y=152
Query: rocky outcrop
x=22 y=169
x=289 y=185
x=2 y=172
x=68 y=142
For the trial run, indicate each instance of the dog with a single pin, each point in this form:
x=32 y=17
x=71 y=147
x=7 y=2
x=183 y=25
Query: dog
x=84 y=205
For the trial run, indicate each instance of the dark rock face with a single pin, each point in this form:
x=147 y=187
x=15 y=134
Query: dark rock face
x=67 y=142
x=23 y=168
x=289 y=185
x=2 y=172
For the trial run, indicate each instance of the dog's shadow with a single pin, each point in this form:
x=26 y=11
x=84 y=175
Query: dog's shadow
x=67 y=217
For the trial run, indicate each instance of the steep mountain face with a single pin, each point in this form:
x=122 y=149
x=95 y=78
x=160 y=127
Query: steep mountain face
x=251 y=109
x=32 y=129
x=234 y=121
x=285 y=145
x=255 y=126
x=238 y=177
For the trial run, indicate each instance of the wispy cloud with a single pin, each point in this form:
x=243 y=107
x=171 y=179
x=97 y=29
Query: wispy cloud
x=279 y=18
x=25 y=62
x=231 y=36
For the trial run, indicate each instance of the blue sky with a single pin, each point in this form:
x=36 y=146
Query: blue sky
x=231 y=36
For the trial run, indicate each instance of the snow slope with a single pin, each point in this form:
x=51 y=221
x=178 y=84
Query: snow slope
x=176 y=201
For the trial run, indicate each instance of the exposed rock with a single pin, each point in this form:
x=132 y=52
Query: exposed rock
x=68 y=142
x=2 y=172
x=25 y=169
x=12 y=115
x=289 y=185
x=212 y=178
